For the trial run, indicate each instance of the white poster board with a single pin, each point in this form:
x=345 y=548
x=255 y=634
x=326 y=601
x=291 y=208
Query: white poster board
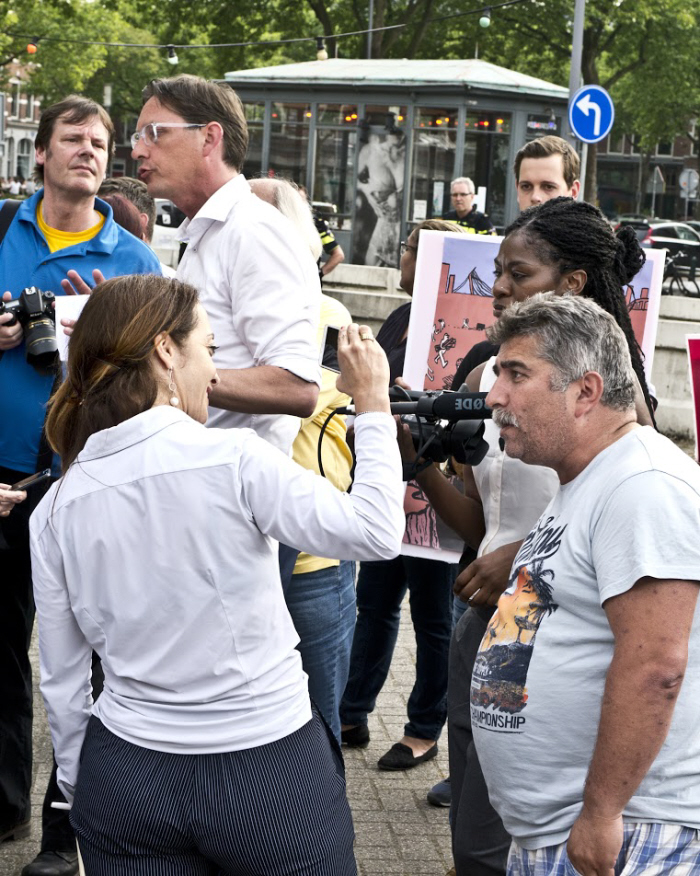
x=452 y=308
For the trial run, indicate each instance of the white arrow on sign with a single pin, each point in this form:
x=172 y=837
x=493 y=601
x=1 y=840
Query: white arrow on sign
x=586 y=105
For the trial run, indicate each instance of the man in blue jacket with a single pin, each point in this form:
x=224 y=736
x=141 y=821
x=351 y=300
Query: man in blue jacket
x=60 y=228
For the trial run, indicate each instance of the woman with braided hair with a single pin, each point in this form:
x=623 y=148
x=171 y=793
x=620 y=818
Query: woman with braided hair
x=567 y=247
x=573 y=235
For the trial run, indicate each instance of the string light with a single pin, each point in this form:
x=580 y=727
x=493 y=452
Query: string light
x=483 y=12
x=321 y=53
x=33 y=46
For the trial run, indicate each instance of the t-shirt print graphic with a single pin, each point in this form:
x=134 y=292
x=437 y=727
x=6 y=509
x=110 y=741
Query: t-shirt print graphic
x=499 y=682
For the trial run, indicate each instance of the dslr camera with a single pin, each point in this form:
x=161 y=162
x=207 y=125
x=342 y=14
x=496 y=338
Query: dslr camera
x=34 y=311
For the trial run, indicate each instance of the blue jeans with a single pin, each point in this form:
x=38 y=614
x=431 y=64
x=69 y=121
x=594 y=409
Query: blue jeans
x=322 y=606
x=381 y=587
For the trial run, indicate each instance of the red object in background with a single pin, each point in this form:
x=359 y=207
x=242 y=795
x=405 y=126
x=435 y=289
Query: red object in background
x=693 y=342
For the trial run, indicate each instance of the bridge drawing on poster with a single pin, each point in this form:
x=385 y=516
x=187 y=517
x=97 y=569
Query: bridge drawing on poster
x=452 y=308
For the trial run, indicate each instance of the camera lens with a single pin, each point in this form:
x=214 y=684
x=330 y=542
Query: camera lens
x=40 y=343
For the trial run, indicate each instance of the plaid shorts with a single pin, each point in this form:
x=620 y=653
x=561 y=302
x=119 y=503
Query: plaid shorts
x=648 y=849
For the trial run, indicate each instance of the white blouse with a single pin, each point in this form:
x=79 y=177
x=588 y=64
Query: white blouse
x=157 y=550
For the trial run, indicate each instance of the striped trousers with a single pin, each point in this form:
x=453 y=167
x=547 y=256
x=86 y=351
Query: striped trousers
x=275 y=810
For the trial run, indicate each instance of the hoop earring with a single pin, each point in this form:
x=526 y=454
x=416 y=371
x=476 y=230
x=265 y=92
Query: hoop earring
x=174 y=400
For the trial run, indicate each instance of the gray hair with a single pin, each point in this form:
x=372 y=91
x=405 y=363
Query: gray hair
x=284 y=195
x=467 y=182
x=575 y=335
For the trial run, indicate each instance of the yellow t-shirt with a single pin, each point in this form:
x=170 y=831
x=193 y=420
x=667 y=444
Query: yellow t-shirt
x=63 y=239
x=336 y=455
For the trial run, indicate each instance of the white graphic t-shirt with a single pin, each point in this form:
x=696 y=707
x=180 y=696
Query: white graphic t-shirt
x=539 y=676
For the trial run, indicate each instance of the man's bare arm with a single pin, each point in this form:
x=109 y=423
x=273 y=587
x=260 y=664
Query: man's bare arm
x=651 y=624
x=264 y=389
x=334 y=259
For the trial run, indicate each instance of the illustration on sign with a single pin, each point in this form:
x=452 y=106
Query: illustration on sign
x=451 y=310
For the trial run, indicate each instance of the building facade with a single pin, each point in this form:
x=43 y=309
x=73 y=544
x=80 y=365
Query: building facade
x=377 y=142
x=20 y=115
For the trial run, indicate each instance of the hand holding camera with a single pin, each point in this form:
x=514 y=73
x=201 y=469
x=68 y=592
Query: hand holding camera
x=364 y=370
x=31 y=315
x=11 y=332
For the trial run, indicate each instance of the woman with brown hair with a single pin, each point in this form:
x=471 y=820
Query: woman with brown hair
x=157 y=549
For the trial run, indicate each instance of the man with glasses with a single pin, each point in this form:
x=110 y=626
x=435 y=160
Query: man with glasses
x=256 y=278
x=465 y=214
x=60 y=228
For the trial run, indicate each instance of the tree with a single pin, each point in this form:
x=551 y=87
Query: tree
x=642 y=51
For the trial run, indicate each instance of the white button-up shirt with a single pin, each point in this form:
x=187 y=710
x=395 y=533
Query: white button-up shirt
x=259 y=285
x=157 y=550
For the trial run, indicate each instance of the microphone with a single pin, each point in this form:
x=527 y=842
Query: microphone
x=441 y=405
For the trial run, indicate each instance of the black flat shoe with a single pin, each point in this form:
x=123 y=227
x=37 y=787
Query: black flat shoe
x=356 y=737
x=16 y=832
x=400 y=757
x=53 y=864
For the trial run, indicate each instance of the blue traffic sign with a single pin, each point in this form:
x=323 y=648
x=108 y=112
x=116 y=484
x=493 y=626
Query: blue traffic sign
x=591 y=113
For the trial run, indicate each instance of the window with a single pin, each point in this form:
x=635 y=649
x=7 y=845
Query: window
x=24 y=152
x=255 y=117
x=128 y=128
x=540 y=124
x=381 y=162
x=289 y=140
x=686 y=234
x=664 y=148
x=434 y=151
x=616 y=142
x=336 y=143
x=486 y=143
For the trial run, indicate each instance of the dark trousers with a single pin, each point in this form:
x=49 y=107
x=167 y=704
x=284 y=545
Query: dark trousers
x=278 y=809
x=480 y=842
x=381 y=587
x=16 y=622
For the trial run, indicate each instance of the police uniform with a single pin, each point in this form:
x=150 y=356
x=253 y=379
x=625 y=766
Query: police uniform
x=328 y=241
x=474 y=222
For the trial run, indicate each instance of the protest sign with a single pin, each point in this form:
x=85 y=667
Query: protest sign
x=451 y=310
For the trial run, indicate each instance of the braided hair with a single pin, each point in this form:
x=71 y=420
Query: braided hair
x=574 y=235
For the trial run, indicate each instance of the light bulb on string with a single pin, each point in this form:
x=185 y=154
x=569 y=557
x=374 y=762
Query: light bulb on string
x=33 y=46
x=485 y=19
x=172 y=55
x=321 y=53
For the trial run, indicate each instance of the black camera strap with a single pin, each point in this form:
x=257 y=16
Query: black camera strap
x=7 y=214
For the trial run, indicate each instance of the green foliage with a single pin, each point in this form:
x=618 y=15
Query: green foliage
x=642 y=50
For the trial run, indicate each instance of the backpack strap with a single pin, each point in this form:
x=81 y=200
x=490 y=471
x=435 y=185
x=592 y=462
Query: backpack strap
x=7 y=214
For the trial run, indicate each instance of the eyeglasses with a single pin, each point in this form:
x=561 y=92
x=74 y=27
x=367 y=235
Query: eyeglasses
x=404 y=246
x=149 y=132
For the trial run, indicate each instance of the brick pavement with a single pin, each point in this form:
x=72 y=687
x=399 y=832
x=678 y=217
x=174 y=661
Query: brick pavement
x=397 y=831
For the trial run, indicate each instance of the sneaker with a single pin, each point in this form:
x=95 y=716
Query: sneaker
x=441 y=794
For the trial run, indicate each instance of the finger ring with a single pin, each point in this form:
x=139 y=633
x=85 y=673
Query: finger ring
x=366 y=336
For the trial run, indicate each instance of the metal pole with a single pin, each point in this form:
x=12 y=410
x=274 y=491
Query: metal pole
x=577 y=48
x=371 y=25
x=575 y=79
